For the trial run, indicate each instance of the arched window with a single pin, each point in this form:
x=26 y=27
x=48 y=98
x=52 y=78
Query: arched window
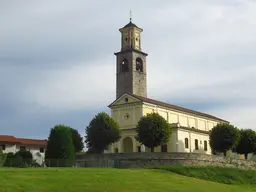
x=205 y=145
x=124 y=66
x=139 y=65
x=196 y=144
x=186 y=143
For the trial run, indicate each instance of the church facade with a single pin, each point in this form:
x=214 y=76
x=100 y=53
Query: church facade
x=190 y=129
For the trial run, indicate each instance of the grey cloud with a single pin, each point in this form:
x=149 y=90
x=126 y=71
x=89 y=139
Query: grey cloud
x=201 y=56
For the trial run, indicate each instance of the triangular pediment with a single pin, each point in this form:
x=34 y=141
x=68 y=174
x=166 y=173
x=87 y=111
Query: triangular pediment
x=126 y=98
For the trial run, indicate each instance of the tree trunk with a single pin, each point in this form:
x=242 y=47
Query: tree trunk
x=152 y=149
x=225 y=153
x=246 y=155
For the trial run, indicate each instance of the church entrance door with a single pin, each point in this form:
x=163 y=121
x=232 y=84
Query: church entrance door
x=127 y=145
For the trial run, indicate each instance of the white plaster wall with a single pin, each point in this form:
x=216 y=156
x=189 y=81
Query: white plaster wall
x=183 y=120
x=37 y=156
x=182 y=134
x=181 y=141
x=202 y=124
x=186 y=120
x=164 y=114
x=173 y=141
x=173 y=118
x=10 y=148
x=252 y=157
x=192 y=122
x=35 y=151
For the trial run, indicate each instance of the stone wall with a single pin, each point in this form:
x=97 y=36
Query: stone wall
x=139 y=160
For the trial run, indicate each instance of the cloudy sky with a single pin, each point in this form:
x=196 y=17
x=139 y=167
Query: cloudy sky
x=57 y=64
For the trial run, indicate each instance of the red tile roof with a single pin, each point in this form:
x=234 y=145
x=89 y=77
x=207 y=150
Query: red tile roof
x=8 y=138
x=32 y=141
x=22 y=141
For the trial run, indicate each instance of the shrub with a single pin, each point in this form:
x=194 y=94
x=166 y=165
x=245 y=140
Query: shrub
x=22 y=158
x=2 y=157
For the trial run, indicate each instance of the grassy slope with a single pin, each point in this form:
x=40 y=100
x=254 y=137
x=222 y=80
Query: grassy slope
x=217 y=174
x=112 y=180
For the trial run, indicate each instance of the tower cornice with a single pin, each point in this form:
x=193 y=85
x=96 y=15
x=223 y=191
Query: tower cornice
x=131 y=50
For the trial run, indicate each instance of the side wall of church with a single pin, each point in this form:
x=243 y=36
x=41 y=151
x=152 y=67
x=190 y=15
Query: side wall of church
x=186 y=120
x=202 y=140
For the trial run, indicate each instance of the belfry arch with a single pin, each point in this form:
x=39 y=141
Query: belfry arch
x=139 y=64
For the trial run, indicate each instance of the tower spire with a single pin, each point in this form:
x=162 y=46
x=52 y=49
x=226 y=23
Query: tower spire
x=130 y=15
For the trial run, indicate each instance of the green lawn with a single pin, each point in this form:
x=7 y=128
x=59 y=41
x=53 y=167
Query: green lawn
x=217 y=174
x=107 y=180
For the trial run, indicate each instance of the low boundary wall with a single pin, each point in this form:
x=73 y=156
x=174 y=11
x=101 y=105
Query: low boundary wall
x=139 y=160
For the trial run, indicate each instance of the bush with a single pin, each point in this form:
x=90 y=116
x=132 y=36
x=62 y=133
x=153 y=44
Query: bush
x=22 y=158
x=2 y=157
x=9 y=160
x=26 y=157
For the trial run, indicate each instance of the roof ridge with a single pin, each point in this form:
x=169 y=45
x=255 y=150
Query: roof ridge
x=24 y=141
x=31 y=139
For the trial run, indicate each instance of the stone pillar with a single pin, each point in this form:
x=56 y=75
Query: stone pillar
x=119 y=145
x=142 y=148
x=134 y=144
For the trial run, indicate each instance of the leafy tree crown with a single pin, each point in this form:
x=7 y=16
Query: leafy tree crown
x=60 y=144
x=224 y=137
x=153 y=130
x=77 y=140
x=247 y=143
x=101 y=132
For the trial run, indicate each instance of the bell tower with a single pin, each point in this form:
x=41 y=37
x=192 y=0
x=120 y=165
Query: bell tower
x=131 y=63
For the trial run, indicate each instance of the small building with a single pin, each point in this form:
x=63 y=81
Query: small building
x=11 y=144
x=190 y=129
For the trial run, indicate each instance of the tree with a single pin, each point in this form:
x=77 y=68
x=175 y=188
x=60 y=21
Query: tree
x=2 y=157
x=77 y=140
x=223 y=137
x=247 y=142
x=101 y=132
x=60 y=148
x=153 y=130
x=254 y=146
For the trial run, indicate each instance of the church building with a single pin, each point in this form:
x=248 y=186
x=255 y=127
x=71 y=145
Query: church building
x=190 y=129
